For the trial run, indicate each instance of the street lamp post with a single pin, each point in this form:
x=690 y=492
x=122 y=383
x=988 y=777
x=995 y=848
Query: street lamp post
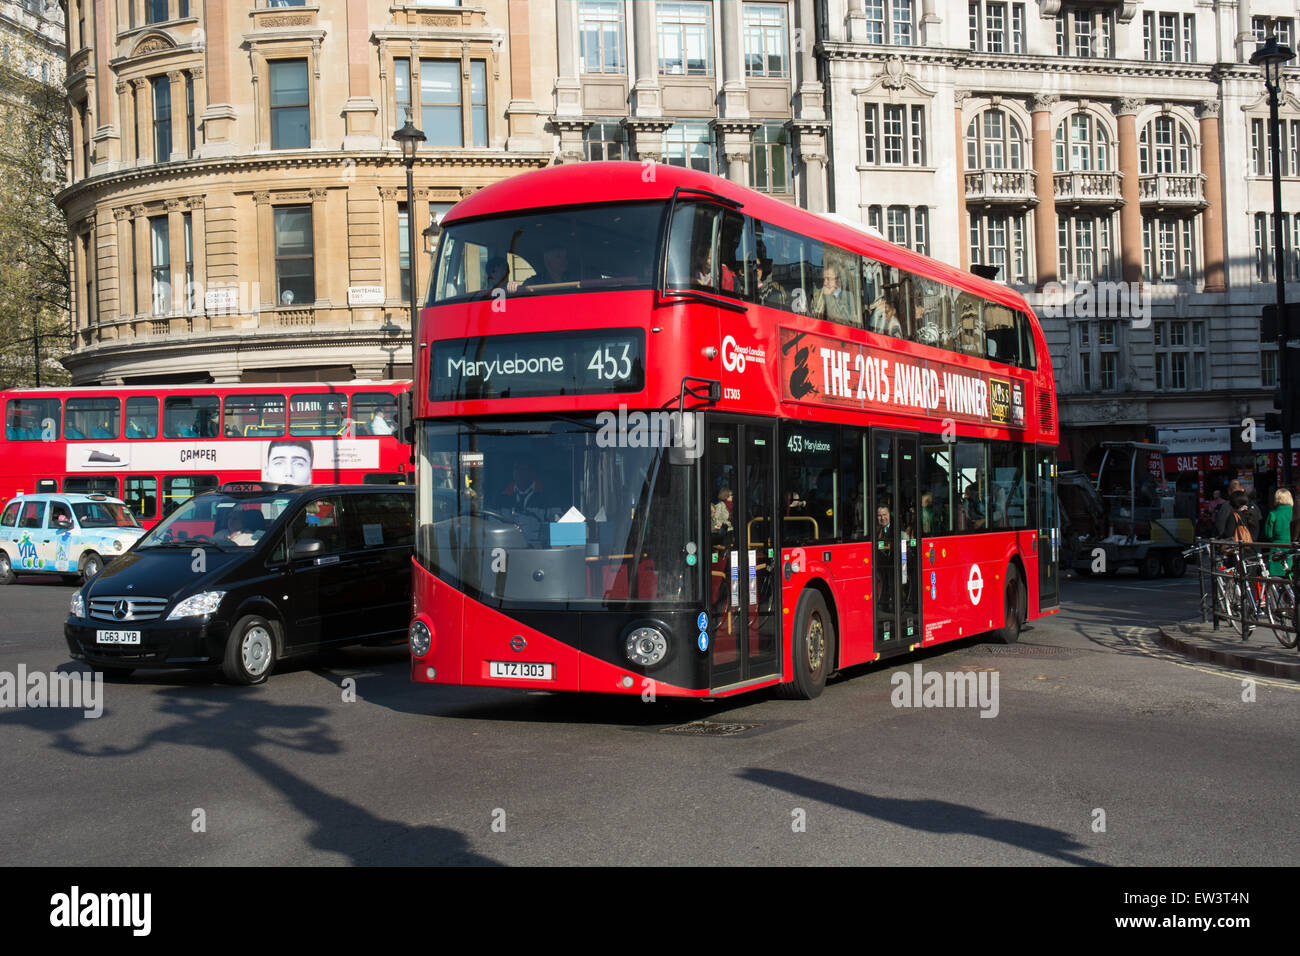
x=1270 y=58
x=409 y=139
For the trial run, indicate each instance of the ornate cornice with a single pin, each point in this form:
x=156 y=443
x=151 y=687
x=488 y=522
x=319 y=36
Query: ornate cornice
x=375 y=162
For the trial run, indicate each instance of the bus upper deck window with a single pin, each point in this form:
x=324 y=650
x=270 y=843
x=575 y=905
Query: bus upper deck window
x=142 y=417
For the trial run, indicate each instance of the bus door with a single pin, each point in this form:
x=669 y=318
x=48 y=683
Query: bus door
x=1049 y=533
x=740 y=488
x=895 y=561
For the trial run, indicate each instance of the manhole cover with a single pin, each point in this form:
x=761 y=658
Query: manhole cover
x=1024 y=650
x=711 y=728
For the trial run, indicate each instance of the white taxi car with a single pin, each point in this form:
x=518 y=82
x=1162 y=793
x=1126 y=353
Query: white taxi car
x=70 y=535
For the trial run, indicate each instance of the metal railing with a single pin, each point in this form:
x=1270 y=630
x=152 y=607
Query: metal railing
x=1238 y=587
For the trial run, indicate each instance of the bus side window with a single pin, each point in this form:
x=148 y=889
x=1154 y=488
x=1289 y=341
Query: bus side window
x=1028 y=353
x=142 y=417
x=972 y=487
x=1002 y=333
x=970 y=324
x=690 y=248
x=936 y=488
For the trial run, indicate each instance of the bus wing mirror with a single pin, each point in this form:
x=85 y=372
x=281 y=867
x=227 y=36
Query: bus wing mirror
x=687 y=444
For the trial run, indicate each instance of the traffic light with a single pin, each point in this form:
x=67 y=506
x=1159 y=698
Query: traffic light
x=1268 y=322
x=1286 y=397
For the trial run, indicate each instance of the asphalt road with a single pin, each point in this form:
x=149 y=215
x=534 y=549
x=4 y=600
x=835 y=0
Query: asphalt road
x=1105 y=750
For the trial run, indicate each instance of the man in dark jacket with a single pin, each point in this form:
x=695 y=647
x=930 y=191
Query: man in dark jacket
x=1224 y=525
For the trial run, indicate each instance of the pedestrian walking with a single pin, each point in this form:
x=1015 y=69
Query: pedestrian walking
x=1277 y=529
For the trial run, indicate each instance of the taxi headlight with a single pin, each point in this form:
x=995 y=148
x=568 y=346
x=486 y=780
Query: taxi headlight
x=197 y=605
x=77 y=607
x=421 y=639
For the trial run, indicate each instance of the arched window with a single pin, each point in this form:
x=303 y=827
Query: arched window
x=994 y=140
x=1082 y=145
x=1165 y=146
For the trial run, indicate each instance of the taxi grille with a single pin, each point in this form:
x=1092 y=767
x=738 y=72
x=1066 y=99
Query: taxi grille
x=137 y=608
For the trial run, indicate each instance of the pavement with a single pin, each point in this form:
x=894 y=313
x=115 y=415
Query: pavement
x=1260 y=652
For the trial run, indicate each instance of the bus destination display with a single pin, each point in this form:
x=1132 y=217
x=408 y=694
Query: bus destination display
x=548 y=363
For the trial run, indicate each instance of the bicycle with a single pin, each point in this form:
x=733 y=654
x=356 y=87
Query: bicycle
x=1269 y=602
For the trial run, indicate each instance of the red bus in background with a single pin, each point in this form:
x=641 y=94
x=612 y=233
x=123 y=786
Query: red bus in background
x=156 y=446
x=673 y=433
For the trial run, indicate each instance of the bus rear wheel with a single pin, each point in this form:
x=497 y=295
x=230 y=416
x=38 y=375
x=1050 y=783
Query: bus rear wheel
x=814 y=647
x=1015 y=601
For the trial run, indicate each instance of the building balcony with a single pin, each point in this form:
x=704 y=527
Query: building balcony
x=1088 y=188
x=1013 y=187
x=1170 y=191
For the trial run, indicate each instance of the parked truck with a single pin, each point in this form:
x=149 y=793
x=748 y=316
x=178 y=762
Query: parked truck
x=1129 y=516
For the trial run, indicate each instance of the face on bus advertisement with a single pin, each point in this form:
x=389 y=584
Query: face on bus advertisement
x=288 y=463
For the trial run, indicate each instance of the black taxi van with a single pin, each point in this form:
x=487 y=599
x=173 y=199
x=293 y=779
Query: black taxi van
x=251 y=574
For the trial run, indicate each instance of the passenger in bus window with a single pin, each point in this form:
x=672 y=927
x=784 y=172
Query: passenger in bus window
x=972 y=508
x=555 y=266
x=498 y=274
x=831 y=301
x=721 y=512
x=769 y=290
x=884 y=319
x=927 y=512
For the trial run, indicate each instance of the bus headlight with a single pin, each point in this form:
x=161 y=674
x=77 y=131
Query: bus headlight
x=421 y=639
x=646 y=645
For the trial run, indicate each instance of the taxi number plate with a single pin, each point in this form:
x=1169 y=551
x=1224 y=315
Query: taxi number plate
x=521 y=670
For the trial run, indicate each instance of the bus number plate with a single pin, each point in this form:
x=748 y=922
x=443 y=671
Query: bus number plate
x=117 y=637
x=521 y=670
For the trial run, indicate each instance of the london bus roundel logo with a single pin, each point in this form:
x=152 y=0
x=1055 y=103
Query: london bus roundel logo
x=733 y=360
x=975 y=584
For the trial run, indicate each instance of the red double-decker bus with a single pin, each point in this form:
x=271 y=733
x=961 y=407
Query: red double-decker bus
x=156 y=446
x=675 y=434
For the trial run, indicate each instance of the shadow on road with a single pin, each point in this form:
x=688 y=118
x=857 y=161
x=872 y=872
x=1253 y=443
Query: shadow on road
x=251 y=728
x=929 y=816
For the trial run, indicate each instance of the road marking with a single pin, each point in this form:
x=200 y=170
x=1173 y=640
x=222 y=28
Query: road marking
x=1169 y=657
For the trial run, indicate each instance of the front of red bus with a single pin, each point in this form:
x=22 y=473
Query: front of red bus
x=559 y=514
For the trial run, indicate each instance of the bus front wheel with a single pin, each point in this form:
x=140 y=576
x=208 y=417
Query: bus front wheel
x=814 y=647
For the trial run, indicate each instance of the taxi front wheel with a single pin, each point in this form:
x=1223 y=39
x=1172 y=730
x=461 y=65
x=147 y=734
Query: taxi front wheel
x=250 y=650
x=7 y=575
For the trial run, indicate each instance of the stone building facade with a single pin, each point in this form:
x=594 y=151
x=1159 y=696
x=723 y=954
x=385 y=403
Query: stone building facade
x=31 y=38
x=1095 y=152
x=237 y=207
x=729 y=88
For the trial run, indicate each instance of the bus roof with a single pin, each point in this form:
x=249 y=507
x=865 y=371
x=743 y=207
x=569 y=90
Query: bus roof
x=607 y=182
